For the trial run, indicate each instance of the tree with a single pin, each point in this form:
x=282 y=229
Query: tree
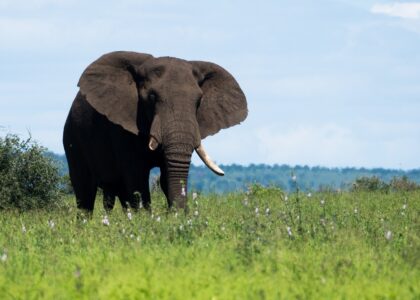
x=28 y=179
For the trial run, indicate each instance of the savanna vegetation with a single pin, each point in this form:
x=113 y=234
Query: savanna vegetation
x=263 y=243
x=258 y=245
x=238 y=178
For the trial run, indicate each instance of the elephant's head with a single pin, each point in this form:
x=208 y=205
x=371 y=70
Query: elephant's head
x=175 y=103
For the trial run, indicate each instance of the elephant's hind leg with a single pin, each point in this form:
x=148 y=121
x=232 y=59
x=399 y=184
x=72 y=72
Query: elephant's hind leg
x=84 y=186
x=85 y=194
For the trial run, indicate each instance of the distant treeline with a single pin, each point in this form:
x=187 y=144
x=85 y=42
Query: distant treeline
x=238 y=178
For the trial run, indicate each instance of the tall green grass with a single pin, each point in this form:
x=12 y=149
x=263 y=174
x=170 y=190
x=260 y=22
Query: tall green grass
x=258 y=245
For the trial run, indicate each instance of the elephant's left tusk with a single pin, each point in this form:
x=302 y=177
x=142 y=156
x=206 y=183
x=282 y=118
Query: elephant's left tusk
x=207 y=160
x=153 y=143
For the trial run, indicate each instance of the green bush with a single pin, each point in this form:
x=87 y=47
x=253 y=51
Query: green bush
x=28 y=179
x=258 y=190
x=403 y=184
x=65 y=185
x=369 y=184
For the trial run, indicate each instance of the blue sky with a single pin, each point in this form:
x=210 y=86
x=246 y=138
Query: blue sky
x=330 y=83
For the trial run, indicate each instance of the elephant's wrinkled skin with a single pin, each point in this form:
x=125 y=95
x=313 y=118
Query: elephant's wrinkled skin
x=135 y=112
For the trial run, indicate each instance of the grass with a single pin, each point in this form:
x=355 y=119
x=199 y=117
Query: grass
x=259 y=245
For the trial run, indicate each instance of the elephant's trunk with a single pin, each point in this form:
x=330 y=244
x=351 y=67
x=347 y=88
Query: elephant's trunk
x=178 y=135
x=177 y=165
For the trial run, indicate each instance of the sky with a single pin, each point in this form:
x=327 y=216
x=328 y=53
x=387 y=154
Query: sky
x=328 y=83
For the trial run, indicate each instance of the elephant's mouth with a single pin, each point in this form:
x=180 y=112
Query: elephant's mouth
x=153 y=144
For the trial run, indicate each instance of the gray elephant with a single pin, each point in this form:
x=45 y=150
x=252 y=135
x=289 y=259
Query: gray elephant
x=135 y=112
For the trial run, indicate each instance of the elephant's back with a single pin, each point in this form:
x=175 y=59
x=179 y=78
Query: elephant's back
x=83 y=125
x=88 y=136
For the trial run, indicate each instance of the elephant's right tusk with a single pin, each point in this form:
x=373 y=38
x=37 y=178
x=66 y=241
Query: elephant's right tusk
x=207 y=160
x=153 y=143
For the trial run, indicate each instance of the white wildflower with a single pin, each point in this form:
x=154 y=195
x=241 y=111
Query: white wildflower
x=84 y=221
x=223 y=228
x=189 y=222
x=294 y=178
x=196 y=213
x=51 y=224
x=322 y=201
x=286 y=198
x=257 y=210
x=267 y=211
x=77 y=272
x=194 y=196
x=129 y=215
x=355 y=210
x=131 y=236
x=158 y=219
x=404 y=206
x=309 y=195
x=105 y=220
x=183 y=193
x=3 y=257
x=176 y=215
x=289 y=231
x=23 y=228
x=245 y=202
x=388 y=235
x=181 y=227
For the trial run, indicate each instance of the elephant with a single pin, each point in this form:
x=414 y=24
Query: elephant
x=134 y=112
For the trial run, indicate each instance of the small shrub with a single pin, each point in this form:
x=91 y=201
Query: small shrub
x=28 y=179
x=65 y=185
x=369 y=184
x=397 y=184
x=259 y=190
x=403 y=184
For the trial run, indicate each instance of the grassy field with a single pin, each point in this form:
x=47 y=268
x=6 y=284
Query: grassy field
x=259 y=245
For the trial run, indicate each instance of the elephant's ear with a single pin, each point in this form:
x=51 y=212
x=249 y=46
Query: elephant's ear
x=223 y=103
x=110 y=86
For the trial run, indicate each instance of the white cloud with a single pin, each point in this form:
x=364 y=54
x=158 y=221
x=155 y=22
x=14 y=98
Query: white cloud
x=405 y=10
x=48 y=34
x=324 y=145
x=360 y=145
x=31 y=4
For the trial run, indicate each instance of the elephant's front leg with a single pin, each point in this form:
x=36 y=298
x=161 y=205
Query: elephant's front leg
x=145 y=194
x=164 y=184
x=136 y=190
